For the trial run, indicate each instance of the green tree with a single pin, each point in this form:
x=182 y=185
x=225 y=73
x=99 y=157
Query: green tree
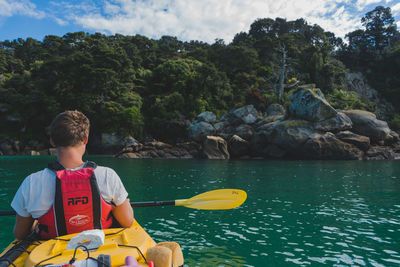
x=380 y=28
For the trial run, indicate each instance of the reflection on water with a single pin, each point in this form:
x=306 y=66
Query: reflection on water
x=297 y=212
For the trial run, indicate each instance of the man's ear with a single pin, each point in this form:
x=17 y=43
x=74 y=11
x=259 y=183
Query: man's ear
x=85 y=141
x=52 y=143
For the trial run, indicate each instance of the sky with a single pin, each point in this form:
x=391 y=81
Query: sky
x=201 y=20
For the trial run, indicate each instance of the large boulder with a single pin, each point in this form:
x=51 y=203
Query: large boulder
x=311 y=105
x=247 y=114
x=365 y=123
x=360 y=141
x=289 y=135
x=280 y=138
x=327 y=146
x=199 y=130
x=245 y=131
x=340 y=122
x=206 y=116
x=215 y=147
x=238 y=147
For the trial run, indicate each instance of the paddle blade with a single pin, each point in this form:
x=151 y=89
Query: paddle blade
x=221 y=199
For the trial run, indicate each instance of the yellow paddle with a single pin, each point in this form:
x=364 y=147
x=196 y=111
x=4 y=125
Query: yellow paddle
x=221 y=199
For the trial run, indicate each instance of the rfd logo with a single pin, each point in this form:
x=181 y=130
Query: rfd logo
x=77 y=200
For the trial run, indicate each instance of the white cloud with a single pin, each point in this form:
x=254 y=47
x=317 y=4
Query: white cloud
x=396 y=9
x=362 y=4
x=65 y=12
x=340 y=23
x=9 y=8
x=207 y=20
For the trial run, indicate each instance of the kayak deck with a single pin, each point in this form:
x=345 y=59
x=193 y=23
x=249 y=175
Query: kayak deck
x=118 y=243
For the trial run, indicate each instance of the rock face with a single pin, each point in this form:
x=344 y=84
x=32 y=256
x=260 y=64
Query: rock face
x=238 y=147
x=215 y=148
x=311 y=105
x=327 y=146
x=340 y=122
x=365 y=123
x=356 y=82
x=362 y=142
x=288 y=135
x=199 y=130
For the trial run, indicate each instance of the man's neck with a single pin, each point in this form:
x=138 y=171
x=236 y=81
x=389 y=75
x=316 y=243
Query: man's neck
x=70 y=157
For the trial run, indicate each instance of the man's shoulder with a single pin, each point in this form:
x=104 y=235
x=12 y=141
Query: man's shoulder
x=104 y=171
x=46 y=172
x=44 y=176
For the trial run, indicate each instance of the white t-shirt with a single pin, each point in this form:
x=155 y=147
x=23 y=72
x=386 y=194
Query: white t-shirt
x=36 y=194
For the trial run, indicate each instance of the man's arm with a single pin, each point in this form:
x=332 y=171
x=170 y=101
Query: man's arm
x=23 y=226
x=124 y=213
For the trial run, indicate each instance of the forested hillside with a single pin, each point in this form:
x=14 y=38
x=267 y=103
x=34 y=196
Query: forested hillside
x=143 y=87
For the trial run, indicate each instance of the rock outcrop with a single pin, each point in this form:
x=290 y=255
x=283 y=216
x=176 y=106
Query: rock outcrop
x=312 y=129
x=311 y=105
x=365 y=123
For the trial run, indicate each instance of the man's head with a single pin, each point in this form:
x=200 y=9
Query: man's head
x=69 y=128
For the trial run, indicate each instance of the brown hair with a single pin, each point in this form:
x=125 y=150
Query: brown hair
x=69 y=128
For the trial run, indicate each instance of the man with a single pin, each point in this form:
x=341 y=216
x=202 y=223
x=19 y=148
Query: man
x=70 y=195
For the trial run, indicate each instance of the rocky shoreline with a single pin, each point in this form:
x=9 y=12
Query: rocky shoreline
x=310 y=128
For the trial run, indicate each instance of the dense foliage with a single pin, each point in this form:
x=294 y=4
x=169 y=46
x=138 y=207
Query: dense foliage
x=139 y=86
x=375 y=51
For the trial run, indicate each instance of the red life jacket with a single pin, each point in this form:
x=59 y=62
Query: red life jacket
x=78 y=204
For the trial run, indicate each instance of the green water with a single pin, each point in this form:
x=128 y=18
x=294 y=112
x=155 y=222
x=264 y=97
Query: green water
x=338 y=213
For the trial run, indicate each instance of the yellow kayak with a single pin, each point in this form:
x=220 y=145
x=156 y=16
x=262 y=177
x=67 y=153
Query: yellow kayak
x=119 y=243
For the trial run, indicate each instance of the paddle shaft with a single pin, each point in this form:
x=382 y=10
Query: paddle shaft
x=7 y=212
x=133 y=204
x=153 y=203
